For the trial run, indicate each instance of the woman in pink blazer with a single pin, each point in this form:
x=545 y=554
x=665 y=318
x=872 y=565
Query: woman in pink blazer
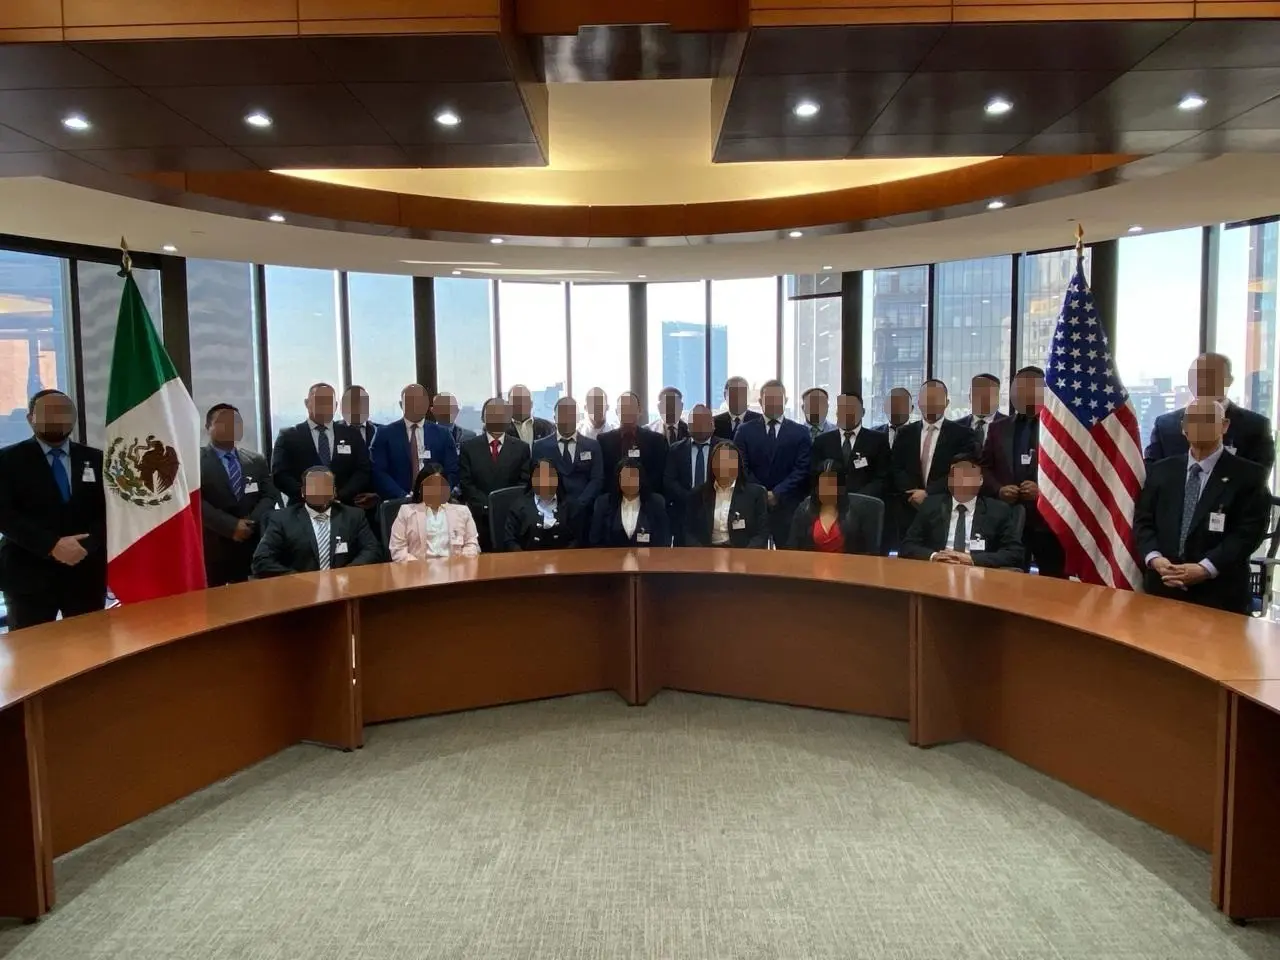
x=431 y=527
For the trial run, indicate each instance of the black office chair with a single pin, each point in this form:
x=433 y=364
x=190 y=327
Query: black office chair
x=500 y=504
x=1263 y=572
x=387 y=511
x=869 y=512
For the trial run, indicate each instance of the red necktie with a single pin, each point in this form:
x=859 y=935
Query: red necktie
x=493 y=449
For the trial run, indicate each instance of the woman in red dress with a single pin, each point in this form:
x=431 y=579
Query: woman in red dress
x=825 y=521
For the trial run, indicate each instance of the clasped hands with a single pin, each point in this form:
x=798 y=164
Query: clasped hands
x=958 y=557
x=1178 y=575
x=1013 y=492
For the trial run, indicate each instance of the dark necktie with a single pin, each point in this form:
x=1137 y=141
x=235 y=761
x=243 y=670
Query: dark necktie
x=737 y=422
x=494 y=448
x=322 y=444
x=700 y=466
x=846 y=448
x=980 y=431
x=671 y=434
x=413 y=450
x=959 y=542
x=1190 y=497
x=773 y=429
x=234 y=474
x=564 y=450
x=60 y=475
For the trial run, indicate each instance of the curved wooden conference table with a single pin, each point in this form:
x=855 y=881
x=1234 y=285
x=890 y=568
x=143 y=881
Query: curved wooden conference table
x=1165 y=710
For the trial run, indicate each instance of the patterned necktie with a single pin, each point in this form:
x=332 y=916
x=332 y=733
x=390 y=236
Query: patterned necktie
x=980 y=430
x=959 y=542
x=700 y=466
x=846 y=448
x=493 y=449
x=322 y=540
x=1190 y=497
x=234 y=474
x=60 y=475
x=322 y=444
x=926 y=452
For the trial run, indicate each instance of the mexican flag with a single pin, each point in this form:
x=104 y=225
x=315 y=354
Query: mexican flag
x=151 y=465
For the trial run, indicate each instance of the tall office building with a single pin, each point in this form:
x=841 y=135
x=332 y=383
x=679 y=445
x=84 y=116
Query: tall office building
x=899 y=325
x=684 y=362
x=972 y=317
x=811 y=336
x=1260 y=338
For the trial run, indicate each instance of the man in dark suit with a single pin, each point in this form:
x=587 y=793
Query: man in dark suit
x=688 y=467
x=401 y=448
x=578 y=460
x=962 y=527
x=984 y=401
x=355 y=413
x=735 y=398
x=630 y=440
x=816 y=404
x=524 y=424
x=670 y=409
x=924 y=449
x=1011 y=471
x=236 y=498
x=1248 y=434
x=317 y=534
x=1201 y=515
x=864 y=453
x=444 y=411
x=897 y=408
x=319 y=442
x=53 y=519
x=775 y=454
x=489 y=462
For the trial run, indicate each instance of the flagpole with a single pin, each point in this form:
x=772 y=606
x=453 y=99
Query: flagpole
x=126 y=262
x=1079 y=246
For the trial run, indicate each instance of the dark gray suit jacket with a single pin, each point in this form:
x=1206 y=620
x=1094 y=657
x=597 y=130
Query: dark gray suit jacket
x=993 y=521
x=225 y=559
x=288 y=543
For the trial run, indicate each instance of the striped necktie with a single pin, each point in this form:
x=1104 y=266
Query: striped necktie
x=322 y=539
x=234 y=473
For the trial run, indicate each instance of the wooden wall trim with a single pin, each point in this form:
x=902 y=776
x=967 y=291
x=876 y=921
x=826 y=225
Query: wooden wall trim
x=777 y=13
x=565 y=17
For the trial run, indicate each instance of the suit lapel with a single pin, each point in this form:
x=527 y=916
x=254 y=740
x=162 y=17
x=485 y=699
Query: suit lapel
x=1009 y=453
x=217 y=474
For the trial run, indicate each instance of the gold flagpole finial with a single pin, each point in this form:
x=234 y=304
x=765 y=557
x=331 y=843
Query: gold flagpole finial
x=126 y=262
x=1079 y=240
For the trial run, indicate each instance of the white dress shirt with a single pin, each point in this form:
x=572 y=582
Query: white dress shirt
x=969 y=506
x=587 y=429
x=435 y=532
x=525 y=429
x=720 y=519
x=892 y=434
x=630 y=515
x=489 y=438
x=573 y=445
x=546 y=510
x=1206 y=470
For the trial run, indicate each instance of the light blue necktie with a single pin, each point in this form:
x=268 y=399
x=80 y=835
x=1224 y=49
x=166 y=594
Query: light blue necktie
x=234 y=474
x=1190 y=497
x=60 y=475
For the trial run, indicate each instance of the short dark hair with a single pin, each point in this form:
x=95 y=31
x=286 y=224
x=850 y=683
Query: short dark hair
x=675 y=390
x=354 y=387
x=735 y=379
x=965 y=456
x=856 y=394
x=987 y=376
x=1030 y=369
x=316 y=386
x=565 y=399
x=821 y=390
x=485 y=406
x=217 y=408
x=936 y=381
x=429 y=469
x=772 y=383
x=316 y=469
x=31 y=404
x=899 y=390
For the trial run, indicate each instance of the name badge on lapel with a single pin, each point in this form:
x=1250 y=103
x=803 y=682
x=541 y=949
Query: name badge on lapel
x=340 y=546
x=344 y=448
x=424 y=455
x=977 y=543
x=251 y=486
x=1230 y=449
x=860 y=463
x=634 y=453
x=1027 y=459
x=584 y=456
x=87 y=476
x=1217 y=522
x=739 y=524
x=642 y=537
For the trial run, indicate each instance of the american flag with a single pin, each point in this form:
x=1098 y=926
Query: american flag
x=1090 y=458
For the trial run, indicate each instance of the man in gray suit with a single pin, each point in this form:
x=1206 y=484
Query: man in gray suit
x=318 y=533
x=236 y=497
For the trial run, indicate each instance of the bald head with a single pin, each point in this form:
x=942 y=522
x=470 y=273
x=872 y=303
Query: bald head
x=1204 y=423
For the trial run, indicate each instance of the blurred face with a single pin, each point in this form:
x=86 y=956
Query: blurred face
x=629 y=482
x=521 y=402
x=898 y=407
x=828 y=489
x=435 y=490
x=1208 y=377
x=701 y=423
x=496 y=416
x=414 y=402
x=735 y=393
x=226 y=428
x=671 y=407
x=1028 y=393
x=1204 y=424
x=597 y=404
x=355 y=406
x=724 y=464
x=566 y=417
x=444 y=408
x=320 y=403
x=816 y=406
x=848 y=412
x=317 y=489
x=933 y=402
x=628 y=410
x=545 y=480
x=984 y=397
x=53 y=418
x=964 y=480
x=772 y=400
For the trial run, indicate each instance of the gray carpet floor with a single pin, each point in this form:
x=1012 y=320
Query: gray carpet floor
x=582 y=828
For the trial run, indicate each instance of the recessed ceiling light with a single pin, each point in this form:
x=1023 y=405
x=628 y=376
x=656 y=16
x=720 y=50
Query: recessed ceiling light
x=805 y=109
x=997 y=107
x=276 y=218
x=1192 y=101
x=828 y=268
x=496 y=240
x=258 y=119
x=995 y=205
x=169 y=248
x=796 y=234
x=457 y=273
x=641 y=276
x=74 y=121
x=1135 y=228
x=447 y=118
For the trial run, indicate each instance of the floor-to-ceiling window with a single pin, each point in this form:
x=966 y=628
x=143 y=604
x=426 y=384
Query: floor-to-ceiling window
x=744 y=333
x=811 y=312
x=895 y=323
x=302 y=339
x=35 y=323
x=677 y=334
x=464 y=344
x=220 y=311
x=972 y=321
x=600 y=341
x=1042 y=283
x=531 y=334
x=383 y=361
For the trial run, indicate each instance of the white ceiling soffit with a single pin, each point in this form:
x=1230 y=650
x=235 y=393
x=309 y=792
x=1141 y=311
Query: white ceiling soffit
x=1228 y=188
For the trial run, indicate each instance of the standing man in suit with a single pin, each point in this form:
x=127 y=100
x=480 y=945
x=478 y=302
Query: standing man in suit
x=319 y=442
x=524 y=424
x=924 y=450
x=236 y=498
x=578 y=460
x=1011 y=471
x=53 y=519
x=864 y=453
x=735 y=398
x=316 y=534
x=961 y=526
x=489 y=462
x=984 y=400
x=775 y=453
x=444 y=411
x=1248 y=434
x=670 y=409
x=897 y=408
x=630 y=441
x=401 y=448
x=355 y=412
x=1201 y=515
x=816 y=404
x=596 y=420
x=688 y=467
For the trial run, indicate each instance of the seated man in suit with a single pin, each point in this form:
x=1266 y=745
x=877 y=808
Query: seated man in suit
x=864 y=454
x=962 y=526
x=984 y=401
x=444 y=411
x=236 y=498
x=816 y=404
x=924 y=449
x=688 y=466
x=578 y=459
x=319 y=442
x=1248 y=433
x=401 y=448
x=489 y=462
x=524 y=424
x=736 y=414
x=775 y=453
x=1201 y=515
x=355 y=412
x=317 y=533
x=670 y=409
x=634 y=442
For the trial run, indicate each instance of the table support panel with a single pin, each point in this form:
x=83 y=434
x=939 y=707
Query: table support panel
x=1250 y=883
x=26 y=857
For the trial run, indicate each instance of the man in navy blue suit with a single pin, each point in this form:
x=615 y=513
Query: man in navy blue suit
x=401 y=448
x=775 y=452
x=578 y=460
